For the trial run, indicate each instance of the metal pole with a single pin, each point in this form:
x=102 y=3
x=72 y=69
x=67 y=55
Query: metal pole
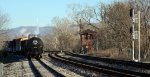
x=133 y=36
x=133 y=49
x=139 y=33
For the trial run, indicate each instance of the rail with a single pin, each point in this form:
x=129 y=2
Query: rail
x=108 y=60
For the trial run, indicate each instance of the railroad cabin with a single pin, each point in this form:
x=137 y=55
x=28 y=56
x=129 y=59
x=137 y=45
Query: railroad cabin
x=87 y=43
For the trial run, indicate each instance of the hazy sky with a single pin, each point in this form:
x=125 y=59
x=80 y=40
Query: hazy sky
x=38 y=12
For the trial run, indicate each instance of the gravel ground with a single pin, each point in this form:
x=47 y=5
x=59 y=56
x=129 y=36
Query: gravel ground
x=27 y=70
x=81 y=71
x=65 y=72
x=13 y=69
x=16 y=67
x=120 y=66
x=22 y=69
x=44 y=72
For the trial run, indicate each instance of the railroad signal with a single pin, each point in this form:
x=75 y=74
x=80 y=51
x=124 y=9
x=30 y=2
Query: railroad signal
x=135 y=34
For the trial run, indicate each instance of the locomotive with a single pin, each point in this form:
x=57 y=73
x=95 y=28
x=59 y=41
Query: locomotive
x=30 y=47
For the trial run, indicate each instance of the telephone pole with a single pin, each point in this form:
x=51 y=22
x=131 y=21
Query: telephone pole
x=139 y=57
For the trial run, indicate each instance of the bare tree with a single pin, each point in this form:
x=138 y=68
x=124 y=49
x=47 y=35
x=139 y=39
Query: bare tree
x=3 y=20
x=3 y=33
x=118 y=19
x=86 y=13
x=64 y=34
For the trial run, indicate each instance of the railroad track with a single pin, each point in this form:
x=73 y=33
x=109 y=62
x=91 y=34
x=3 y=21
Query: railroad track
x=108 y=60
x=99 y=68
x=38 y=72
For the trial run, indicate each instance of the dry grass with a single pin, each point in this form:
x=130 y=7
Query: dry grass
x=112 y=53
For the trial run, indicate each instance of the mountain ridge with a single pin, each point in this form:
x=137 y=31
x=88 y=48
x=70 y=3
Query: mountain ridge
x=25 y=30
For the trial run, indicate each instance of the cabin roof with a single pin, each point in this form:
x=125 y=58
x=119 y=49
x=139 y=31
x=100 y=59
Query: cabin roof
x=88 y=31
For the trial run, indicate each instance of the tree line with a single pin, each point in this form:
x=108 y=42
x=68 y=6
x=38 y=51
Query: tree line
x=112 y=23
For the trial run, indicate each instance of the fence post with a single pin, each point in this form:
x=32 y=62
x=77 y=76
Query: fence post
x=1 y=69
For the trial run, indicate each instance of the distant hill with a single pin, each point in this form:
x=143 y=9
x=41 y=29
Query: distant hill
x=25 y=30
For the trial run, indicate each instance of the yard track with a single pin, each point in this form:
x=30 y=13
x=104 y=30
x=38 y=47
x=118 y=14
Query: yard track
x=98 y=68
x=108 y=60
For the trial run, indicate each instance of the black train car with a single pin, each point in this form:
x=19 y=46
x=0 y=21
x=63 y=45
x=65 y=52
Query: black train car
x=7 y=48
x=13 y=45
x=16 y=46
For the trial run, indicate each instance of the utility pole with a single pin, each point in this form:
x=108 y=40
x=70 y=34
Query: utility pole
x=139 y=57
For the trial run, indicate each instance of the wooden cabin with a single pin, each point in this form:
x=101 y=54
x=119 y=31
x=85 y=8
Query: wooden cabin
x=86 y=38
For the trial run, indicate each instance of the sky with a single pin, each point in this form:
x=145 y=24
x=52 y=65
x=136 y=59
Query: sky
x=39 y=12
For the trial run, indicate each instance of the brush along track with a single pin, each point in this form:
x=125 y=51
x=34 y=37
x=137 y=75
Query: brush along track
x=98 y=68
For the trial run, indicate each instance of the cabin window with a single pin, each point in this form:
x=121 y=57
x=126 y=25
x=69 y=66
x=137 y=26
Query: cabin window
x=86 y=36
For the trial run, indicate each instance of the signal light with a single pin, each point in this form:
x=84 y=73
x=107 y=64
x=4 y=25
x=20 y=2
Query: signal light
x=131 y=12
x=131 y=29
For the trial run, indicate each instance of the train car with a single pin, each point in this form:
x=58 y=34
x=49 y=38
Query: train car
x=18 y=46
x=10 y=45
x=13 y=46
x=7 y=48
